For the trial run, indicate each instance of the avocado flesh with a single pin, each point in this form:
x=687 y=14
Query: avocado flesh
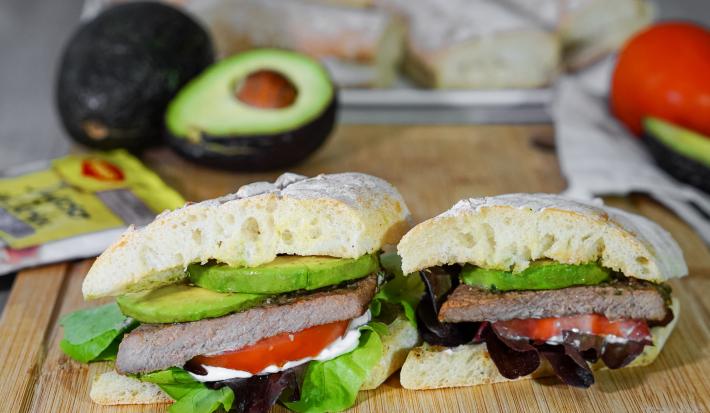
x=540 y=275
x=207 y=105
x=284 y=274
x=684 y=141
x=181 y=303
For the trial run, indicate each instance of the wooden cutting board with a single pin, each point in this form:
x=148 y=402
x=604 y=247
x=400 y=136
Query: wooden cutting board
x=433 y=166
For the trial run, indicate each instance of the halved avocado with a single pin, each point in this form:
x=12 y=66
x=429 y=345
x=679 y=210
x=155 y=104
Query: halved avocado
x=258 y=110
x=683 y=153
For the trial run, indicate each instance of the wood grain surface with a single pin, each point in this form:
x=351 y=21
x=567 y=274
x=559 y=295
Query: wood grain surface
x=433 y=167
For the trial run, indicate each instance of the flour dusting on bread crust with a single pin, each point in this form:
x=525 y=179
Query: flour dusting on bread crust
x=509 y=231
x=341 y=215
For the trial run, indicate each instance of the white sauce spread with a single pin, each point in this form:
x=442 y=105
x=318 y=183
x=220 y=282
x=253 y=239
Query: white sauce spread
x=607 y=339
x=344 y=344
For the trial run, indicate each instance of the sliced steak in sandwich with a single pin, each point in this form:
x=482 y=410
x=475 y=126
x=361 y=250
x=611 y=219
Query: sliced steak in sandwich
x=153 y=347
x=615 y=300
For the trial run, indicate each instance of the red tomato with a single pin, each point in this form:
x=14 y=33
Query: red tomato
x=278 y=349
x=544 y=329
x=664 y=71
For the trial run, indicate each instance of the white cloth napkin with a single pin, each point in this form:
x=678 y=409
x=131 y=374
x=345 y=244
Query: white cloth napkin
x=598 y=156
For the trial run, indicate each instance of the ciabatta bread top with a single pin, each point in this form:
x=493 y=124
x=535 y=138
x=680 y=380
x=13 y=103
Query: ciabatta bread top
x=342 y=215
x=509 y=231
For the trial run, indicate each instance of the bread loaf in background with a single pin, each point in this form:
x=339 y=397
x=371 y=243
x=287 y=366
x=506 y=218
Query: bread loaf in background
x=346 y=3
x=359 y=46
x=462 y=44
x=588 y=29
x=478 y=44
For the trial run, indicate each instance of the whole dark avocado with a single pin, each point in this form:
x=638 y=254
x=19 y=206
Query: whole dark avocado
x=119 y=71
x=683 y=153
x=258 y=110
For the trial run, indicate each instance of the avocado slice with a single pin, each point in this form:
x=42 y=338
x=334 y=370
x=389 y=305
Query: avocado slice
x=284 y=274
x=683 y=153
x=258 y=110
x=681 y=140
x=119 y=71
x=179 y=303
x=540 y=275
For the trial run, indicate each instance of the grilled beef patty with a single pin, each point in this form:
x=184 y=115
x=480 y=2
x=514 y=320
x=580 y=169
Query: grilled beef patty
x=152 y=347
x=615 y=300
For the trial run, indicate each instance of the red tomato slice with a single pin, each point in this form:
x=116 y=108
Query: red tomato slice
x=546 y=329
x=278 y=349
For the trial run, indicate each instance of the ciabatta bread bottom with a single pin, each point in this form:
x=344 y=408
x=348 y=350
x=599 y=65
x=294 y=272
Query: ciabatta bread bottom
x=434 y=367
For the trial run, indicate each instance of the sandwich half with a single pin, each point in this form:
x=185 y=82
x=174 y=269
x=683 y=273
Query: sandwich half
x=529 y=285
x=272 y=294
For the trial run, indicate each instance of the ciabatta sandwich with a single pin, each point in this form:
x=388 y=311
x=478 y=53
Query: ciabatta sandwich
x=252 y=298
x=525 y=285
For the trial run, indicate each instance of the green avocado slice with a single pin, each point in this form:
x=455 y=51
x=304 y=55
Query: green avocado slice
x=181 y=302
x=681 y=140
x=285 y=273
x=540 y=275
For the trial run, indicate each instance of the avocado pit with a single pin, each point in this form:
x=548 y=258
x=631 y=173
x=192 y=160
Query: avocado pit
x=266 y=89
x=95 y=130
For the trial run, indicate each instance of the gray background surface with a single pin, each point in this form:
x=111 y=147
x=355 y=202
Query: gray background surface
x=32 y=33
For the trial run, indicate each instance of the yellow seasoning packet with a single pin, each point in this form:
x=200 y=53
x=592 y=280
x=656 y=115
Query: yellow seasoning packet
x=75 y=206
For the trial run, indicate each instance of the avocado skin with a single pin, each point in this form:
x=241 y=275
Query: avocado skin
x=121 y=69
x=284 y=274
x=266 y=152
x=540 y=275
x=677 y=165
x=179 y=303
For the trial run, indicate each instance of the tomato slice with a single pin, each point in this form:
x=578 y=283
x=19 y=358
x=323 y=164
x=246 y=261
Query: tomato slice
x=278 y=349
x=551 y=329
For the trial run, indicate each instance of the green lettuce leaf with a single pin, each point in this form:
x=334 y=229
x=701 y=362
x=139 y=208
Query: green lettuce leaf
x=405 y=291
x=203 y=400
x=94 y=333
x=332 y=386
x=190 y=395
x=110 y=352
x=173 y=375
x=380 y=328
